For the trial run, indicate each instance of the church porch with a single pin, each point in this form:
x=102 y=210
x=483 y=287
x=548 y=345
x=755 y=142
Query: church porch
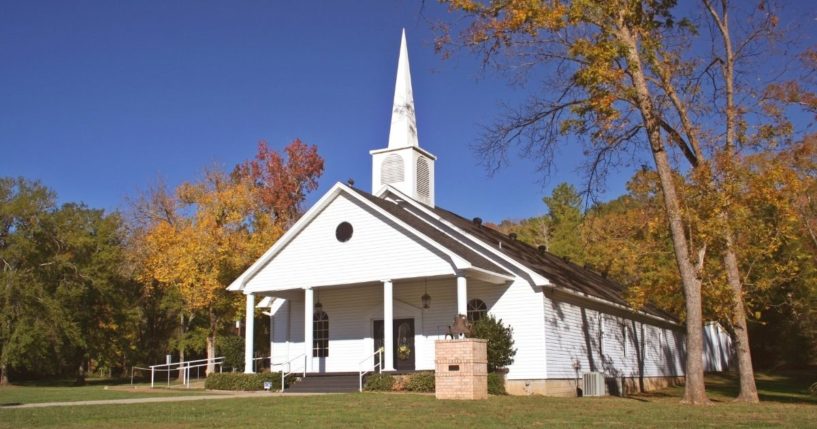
x=336 y=329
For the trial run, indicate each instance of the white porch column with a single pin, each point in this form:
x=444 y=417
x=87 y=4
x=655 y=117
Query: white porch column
x=388 y=326
x=249 y=333
x=462 y=295
x=308 y=315
x=271 y=336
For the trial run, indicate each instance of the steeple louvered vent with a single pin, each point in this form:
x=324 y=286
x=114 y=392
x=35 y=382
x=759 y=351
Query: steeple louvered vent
x=392 y=170
x=423 y=178
x=404 y=165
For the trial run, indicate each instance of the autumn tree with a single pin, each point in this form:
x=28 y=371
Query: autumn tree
x=597 y=58
x=282 y=182
x=202 y=236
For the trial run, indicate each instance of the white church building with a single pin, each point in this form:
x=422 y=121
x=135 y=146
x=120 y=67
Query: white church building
x=390 y=268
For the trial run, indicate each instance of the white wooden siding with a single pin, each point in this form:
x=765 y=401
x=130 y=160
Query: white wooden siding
x=378 y=250
x=718 y=351
x=581 y=339
x=352 y=310
x=520 y=307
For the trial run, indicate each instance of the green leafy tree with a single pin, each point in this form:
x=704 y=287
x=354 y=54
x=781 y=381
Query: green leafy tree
x=565 y=218
x=64 y=305
x=500 y=341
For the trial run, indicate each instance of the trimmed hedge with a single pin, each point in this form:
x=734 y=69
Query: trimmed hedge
x=379 y=382
x=496 y=383
x=421 y=382
x=241 y=381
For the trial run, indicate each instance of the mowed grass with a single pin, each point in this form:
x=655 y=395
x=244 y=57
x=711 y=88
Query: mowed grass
x=94 y=390
x=786 y=404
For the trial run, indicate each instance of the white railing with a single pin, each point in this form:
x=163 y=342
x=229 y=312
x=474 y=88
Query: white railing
x=285 y=373
x=262 y=359
x=184 y=367
x=377 y=364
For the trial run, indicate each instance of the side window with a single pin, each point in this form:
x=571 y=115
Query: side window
x=476 y=310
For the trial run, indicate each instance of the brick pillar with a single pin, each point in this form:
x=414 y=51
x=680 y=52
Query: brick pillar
x=461 y=369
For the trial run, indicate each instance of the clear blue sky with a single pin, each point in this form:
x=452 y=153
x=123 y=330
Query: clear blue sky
x=98 y=99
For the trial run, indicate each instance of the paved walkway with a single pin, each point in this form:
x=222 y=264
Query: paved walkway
x=159 y=399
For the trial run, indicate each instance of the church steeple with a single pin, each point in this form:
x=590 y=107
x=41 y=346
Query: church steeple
x=403 y=130
x=403 y=164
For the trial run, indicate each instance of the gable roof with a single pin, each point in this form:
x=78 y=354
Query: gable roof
x=433 y=233
x=559 y=271
x=461 y=255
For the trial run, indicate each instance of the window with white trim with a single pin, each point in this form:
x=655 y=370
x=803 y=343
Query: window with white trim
x=320 y=334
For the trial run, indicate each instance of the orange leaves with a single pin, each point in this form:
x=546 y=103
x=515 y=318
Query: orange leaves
x=281 y=184
x=210 y=230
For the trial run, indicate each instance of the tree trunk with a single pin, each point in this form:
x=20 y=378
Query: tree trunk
x=211 y=343
x=748 y=389
x=695 y=392
x=4 y=376
x=80 y=381
x=181 y=346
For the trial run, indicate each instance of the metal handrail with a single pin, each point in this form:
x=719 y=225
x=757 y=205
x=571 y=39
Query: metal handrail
x=262 y=359
x=186 y=374
x=183 y=366
x=377 y=365
x=288 y=363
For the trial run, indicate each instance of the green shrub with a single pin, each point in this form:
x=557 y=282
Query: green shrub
x=496 y=383
x=421 y=382
x=379 y=382
x=500 y=341
x=241 y=381
x=232 y=348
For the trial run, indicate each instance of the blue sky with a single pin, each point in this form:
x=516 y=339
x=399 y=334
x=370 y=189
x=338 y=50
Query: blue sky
x=98 y=99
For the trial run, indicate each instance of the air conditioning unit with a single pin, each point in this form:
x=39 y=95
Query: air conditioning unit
x=593 y=384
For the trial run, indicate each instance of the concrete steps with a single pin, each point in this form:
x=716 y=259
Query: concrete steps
x=325 y=383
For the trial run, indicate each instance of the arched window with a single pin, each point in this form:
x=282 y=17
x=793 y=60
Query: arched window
x=476 y=310
x=320 y=334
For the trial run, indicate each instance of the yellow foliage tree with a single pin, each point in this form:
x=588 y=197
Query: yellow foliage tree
x=200 y=238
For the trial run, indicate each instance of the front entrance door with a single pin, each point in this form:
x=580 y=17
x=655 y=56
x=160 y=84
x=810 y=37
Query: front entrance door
x=404 y=350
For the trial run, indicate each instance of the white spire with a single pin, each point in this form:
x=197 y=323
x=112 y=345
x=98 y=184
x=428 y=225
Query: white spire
x=403 y=132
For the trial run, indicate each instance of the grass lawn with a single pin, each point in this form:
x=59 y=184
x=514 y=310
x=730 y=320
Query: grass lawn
x=785 y=404
x=95 y=389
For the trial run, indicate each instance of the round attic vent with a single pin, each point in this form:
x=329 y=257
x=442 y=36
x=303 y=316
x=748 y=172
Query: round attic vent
x=344 y=232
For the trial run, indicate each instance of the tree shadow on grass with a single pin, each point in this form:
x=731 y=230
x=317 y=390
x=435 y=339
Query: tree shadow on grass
x=784 y=386
x=789 y=387
x=72 y=382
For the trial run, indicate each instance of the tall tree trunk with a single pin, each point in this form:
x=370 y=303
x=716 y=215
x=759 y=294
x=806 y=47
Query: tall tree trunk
x=695 y=391
x=748 y=389
x=4 y=376
x=211 y=343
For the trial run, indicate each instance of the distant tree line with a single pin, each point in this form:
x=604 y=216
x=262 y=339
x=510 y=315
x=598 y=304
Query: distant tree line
x=85 y=291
